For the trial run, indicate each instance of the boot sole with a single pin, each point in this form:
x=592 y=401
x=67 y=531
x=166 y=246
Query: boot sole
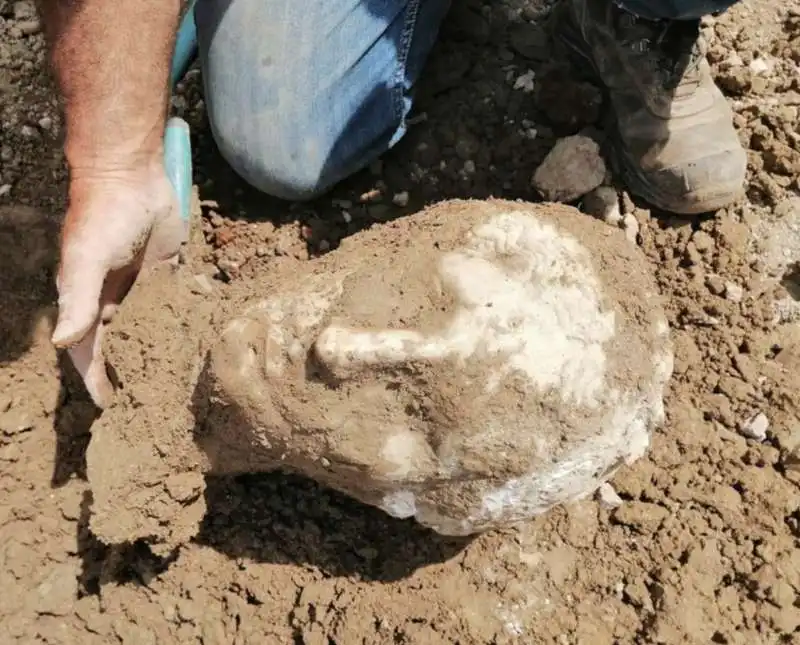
x=567 y=44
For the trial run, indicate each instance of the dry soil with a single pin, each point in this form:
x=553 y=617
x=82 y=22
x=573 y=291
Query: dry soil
x=704 y=547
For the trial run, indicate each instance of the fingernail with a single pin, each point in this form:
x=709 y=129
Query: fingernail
x=66 y=333
x=71 y=328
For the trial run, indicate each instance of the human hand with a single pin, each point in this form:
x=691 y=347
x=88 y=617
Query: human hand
x=117 y=224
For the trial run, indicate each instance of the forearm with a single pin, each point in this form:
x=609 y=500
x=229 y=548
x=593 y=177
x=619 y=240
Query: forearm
x=111 y=61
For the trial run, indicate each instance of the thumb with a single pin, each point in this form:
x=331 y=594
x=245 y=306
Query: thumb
x=168 y=234
x=87 y=357
x=80 y=283
x=169 y=229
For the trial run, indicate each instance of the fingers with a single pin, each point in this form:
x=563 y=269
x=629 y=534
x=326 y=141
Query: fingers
x=109 y=233
x=80 y=283
x=85 y=347
x=168 y=233
x=87 y=357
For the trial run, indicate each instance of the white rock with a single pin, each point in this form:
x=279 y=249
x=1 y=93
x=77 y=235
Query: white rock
x=571 y=169
x=400 y=199
x=607 y=497
x=761 y=66
x=733 y=60
x=525 y=82
x=787 y=310
x=631 y=226
x=756 y=427
x=228 y=266
x=202 y=284
x=603 y=203
x=778 y=238
x=733 y=292
x=488 y=368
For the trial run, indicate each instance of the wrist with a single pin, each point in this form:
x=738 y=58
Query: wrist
x=90 y=160
x=107 y=178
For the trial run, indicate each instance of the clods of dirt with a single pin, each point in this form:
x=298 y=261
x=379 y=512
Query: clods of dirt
x=704 y=545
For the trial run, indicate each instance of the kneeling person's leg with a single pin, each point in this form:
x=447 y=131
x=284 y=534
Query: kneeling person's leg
x=302 y=94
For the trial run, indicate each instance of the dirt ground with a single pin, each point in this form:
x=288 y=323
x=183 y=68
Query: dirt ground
x=703 y=548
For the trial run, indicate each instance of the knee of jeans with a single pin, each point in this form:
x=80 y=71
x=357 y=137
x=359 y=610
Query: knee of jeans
x=282 y=161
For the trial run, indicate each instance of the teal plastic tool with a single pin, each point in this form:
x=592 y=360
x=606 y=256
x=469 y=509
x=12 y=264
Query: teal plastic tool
x=185 y=45
x=177 y=139
x=178 y=163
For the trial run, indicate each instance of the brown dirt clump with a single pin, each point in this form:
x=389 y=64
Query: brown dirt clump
x=142 y=449
x=703 y=548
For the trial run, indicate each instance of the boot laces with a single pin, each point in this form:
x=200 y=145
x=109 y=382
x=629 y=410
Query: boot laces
x=673 y=48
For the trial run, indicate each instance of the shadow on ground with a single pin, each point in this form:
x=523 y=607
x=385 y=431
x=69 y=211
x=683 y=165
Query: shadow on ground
x=286 y=519
x=29 y=243
x=72 y=424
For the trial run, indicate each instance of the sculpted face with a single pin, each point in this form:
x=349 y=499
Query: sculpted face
x=473 y=376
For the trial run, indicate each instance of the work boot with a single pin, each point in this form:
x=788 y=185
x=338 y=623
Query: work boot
x=671 y=132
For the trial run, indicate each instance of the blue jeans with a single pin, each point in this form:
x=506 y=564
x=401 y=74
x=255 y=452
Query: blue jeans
x=303 y=93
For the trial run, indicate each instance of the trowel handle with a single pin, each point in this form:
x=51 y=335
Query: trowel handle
x=177 y=140
x=185 y=45
x=178 y=163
